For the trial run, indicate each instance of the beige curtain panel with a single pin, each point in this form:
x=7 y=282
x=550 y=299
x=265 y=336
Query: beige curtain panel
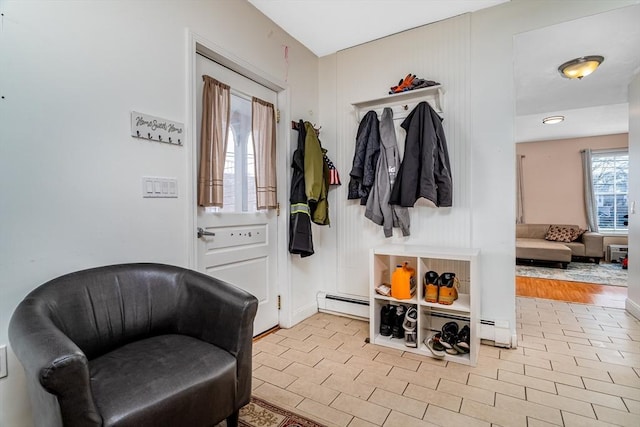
x=216 y=99
x=263 y=130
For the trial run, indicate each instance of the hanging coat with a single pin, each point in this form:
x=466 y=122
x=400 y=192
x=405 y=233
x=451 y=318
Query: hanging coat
x=365 y=158
x=425 y=170
x=316 y=176
x=300 y=237
x=378 y=208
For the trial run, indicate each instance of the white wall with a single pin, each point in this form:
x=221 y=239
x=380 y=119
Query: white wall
x=70 y=174
x=633 y=295
x=472 y=56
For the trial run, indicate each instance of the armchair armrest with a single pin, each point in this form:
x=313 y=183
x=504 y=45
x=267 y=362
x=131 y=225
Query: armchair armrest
x=221 y=314
x=593 y=244
x=53 y=361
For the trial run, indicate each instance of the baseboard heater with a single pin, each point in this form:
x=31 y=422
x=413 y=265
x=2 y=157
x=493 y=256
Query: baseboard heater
x=495 y=333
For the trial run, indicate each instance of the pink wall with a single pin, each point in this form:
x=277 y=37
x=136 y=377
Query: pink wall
x=552 y=177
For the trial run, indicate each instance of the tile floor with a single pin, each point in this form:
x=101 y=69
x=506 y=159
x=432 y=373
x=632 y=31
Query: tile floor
x=576 y=365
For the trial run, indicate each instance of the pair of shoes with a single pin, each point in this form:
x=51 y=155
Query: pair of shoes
x=453 y=340
x=442 y=289
x=391 y=320
x=434 y=344
x=410 y=329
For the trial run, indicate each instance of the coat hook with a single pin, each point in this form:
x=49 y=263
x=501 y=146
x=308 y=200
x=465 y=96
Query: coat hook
x=406 y=107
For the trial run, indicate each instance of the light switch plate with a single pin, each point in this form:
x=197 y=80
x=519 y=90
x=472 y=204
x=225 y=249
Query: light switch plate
x=159 y=187
x=3 y=361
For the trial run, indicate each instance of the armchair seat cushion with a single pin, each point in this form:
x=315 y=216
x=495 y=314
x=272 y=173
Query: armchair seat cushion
x=150 y=382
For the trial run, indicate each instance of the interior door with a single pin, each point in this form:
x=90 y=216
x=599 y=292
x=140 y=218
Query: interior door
x=238 y=244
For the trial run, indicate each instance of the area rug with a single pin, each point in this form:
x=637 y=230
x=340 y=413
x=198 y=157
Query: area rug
x=601 y=274
x=259 y=413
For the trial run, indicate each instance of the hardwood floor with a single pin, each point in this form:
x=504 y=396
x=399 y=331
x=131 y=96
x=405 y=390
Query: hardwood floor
x=586 y=293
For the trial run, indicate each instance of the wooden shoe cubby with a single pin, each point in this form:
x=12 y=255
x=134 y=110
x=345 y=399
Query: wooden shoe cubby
x=431 y=316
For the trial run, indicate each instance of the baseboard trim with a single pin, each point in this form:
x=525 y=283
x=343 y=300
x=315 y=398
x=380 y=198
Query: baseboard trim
x=633 y=308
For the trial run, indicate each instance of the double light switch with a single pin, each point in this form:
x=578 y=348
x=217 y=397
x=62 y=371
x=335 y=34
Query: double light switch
x=159 y=187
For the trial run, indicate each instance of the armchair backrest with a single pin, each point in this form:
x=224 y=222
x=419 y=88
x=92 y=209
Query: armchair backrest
x=106 y=307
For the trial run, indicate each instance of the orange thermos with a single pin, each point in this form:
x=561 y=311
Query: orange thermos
x=403 y=282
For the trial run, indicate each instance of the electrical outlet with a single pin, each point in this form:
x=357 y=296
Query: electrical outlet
x=3 y=361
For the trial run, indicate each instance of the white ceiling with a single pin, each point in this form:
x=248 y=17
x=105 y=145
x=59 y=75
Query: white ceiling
x=596 y=105
x=327 y=26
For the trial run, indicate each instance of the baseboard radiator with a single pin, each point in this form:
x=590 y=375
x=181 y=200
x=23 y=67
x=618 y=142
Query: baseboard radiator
x=496 y=333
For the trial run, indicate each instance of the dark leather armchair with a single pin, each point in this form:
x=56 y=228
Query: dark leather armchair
x=135 y=345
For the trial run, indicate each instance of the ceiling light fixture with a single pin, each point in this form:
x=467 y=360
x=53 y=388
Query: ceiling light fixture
x=552 y=120
x=580 y=67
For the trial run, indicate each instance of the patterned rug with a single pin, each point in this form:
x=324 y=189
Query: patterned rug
x=259 y=413
x=601 y=274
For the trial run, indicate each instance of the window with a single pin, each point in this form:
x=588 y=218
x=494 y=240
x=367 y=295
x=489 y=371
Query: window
x=610 y=170
x=239 y=167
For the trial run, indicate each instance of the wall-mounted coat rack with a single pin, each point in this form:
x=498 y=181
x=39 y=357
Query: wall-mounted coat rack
x=152 y=128
x=295 y=126
x=402 y=103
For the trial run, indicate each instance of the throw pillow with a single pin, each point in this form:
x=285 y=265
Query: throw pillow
x=560 y=234
x=577 y=233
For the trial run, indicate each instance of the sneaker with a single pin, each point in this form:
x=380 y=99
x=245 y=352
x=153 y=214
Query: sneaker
x=409 y=326
x=434 y=344
x=448 y=289
x=397 y=330
x=449 y=335
x=462 y=342
x=431 y=286
x=387 y=317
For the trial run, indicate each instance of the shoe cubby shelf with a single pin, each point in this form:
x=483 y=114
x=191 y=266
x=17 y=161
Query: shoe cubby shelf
x=405 y=100
x=431 y=316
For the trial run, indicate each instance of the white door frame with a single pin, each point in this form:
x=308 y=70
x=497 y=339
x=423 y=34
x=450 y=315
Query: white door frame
x=197 y=43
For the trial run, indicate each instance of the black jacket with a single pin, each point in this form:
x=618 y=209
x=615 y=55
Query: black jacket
x=425 y=170
x=365 y=158
x=300 y=238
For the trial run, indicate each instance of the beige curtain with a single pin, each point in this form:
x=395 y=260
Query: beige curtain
x=216 y=101
x=263 y=131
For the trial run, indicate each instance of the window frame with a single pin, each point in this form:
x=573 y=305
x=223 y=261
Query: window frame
x=616 y=157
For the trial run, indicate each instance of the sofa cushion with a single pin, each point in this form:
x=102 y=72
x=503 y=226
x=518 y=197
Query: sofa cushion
x=157 y=378
x=542 y=250
x=558 y=233
x=532 y=231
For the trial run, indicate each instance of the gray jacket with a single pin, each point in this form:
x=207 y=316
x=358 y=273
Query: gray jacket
x=378 y=208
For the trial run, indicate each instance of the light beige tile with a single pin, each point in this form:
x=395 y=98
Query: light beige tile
x=313 y=391
x=308 y=359
x=613 y=389
x=549 y=355
x=398 y=419
x=273 y=376
x=594 y=397
x=532 y=422
x=312 y=375
x=632 y=405
x=272 y=338
x=297 y=332
x=324 y=413
x=383 y=382
x=505 y=365
x=271 y=361
x=466 y=391
x=387 y=350
x=602 y=366
x=525 y=359
x=555 y=376
x=575 y=420
x=277 y=395
x=348 y=386
x=530 y=409
x=269 y=347
x=497 y=386
x=406 y=405
x=357 y=422
x=399 y=361
x=523 y=380
x=421 y=378
x=255 y=383
x=444 y=417
x=340 y=369
x=560 y=402
x=321 y=332
x=318 y=341
x=432 y=397
x=370 y=365
x=298 y=345
x=614 y=416
x=326 y=353
x=353 y=349
x=580 y=371
x=361 y=408
x=490 y=351
x=343 y=329
x=492 y=415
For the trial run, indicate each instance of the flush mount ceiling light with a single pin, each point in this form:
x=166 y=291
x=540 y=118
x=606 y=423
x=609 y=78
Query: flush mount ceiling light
x=580 y=67
x=552 y=120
